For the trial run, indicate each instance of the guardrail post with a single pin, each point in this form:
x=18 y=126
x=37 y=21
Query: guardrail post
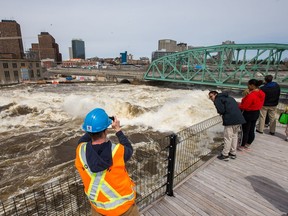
x=171 y=164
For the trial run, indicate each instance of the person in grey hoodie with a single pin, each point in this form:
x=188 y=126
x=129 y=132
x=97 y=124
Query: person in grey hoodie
x=232 y=117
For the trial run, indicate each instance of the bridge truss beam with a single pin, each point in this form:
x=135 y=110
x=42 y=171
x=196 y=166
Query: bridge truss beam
x=227 y=65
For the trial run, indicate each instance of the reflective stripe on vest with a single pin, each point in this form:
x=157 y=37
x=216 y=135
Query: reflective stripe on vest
x=98 y=184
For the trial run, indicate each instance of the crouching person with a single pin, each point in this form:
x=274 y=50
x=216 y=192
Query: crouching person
x=101 y=165
x=232 y=117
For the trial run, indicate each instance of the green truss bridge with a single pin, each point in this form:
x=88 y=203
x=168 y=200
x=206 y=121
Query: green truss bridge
x=227 y=65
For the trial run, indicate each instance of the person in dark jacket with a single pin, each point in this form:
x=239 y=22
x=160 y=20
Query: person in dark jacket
x=232 y=117
x=272 y=94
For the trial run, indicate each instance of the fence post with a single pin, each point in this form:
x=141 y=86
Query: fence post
x=171 y=165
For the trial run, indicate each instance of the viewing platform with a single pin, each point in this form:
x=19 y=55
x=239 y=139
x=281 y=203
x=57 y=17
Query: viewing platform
x=255 y=183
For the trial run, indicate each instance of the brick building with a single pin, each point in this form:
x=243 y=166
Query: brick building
x=11 y=45
x=14 y=66
x=47 y=48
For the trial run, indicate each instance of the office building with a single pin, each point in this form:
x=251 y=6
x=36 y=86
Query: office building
x=181 y=47
x=167 y=45
x=70 y=53
x=78 y=48
x=11 y=45
x=47 y=48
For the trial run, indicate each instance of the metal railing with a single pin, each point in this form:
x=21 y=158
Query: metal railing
x=155 y=172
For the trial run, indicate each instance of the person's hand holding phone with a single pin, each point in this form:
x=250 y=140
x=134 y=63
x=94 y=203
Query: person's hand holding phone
x=115 y=123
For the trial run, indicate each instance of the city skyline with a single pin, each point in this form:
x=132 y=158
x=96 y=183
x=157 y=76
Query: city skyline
x=110 y=28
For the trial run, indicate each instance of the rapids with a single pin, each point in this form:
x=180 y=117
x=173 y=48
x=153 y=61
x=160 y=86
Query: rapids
x=41 y=124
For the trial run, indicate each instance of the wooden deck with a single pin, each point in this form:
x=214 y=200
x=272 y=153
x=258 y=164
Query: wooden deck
x=256 y=183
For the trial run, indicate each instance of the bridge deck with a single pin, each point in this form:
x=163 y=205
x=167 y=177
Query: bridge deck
x=256 y=183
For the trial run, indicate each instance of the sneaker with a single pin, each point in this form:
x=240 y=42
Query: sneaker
x=247 y=147
x=240 y=148
x=272 y=133
x=222 y=157
x=232 y=156
x=259 y=131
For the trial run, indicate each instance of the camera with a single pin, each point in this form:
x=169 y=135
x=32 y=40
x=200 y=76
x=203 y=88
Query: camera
x=112 y=118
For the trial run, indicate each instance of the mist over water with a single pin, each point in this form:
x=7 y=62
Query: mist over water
x=41 y=124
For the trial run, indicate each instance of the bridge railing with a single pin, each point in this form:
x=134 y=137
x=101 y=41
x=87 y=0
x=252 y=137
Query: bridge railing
x=150 y=171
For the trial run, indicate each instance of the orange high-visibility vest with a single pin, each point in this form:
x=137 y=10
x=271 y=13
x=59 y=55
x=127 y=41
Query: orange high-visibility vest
x=110 y=192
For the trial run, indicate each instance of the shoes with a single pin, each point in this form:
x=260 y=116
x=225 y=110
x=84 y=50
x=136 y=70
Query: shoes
x=222 y=157
x=244 y=148
x=247 y=147
x=272 y=133
x=266 y=125
x=259 y=131
x=232 y=156
x=241 y=148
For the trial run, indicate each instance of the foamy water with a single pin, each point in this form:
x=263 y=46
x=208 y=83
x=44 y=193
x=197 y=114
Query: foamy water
x=40 y=125
x=163 y=109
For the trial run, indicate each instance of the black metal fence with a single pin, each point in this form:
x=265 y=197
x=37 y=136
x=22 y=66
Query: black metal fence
x=155 y=174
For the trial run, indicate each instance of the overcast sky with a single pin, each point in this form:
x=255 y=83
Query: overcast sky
x=111 y=27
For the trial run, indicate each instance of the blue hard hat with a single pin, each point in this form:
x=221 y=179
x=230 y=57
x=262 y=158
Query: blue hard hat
x=96 y=120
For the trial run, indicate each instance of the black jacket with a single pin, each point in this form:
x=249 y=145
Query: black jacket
x=228 y=108
x=272 y=93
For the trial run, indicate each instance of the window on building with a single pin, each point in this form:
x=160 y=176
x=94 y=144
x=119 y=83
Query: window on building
x=5 y=65
x=31 y=73
x=38 y=73
x=16 y=75
x=37 y=65
x=30 y=64
x=22 y=64
x=14 y=65
x=7 y=75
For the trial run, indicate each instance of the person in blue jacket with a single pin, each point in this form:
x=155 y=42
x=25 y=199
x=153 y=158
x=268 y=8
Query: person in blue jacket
x=232 y=117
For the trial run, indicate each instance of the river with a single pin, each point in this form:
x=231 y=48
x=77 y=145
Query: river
x=41 y=124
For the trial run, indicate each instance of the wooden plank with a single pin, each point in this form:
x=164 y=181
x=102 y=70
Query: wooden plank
x=205 y=200
x=256 y=183
x=229 y=198
x=237 y=196
x=153 y=212
x=271 y=193
x=176 y=202
x=231 y=208
x=190 y=204
x=169 y=208
x=206 y=205
x=162 y=211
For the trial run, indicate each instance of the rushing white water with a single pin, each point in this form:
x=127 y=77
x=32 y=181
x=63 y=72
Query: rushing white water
x=40 y=124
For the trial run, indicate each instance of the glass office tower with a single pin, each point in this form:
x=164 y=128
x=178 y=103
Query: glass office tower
x=78 y=48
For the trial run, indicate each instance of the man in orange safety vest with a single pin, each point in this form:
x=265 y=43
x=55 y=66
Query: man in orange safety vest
x=101 y=165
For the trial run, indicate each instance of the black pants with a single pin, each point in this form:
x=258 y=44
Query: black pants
x=249 y=127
